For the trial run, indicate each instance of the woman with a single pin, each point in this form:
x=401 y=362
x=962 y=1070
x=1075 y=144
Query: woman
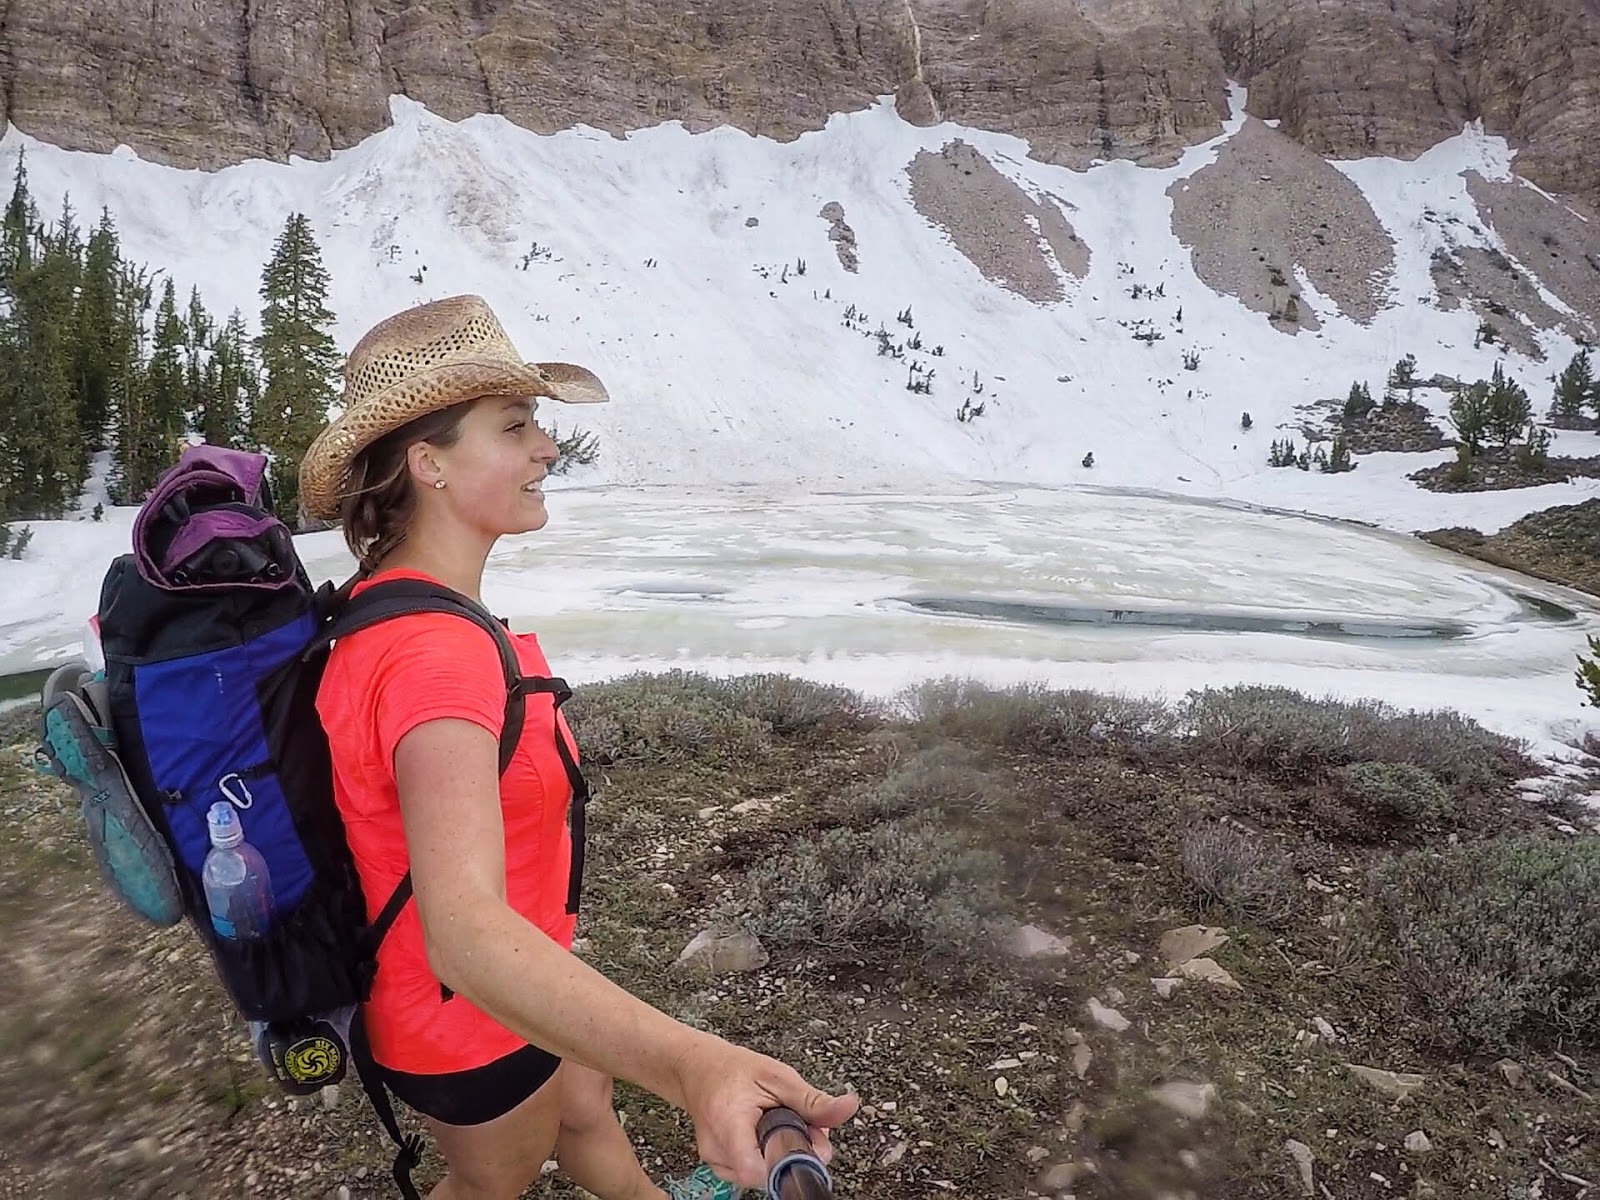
x=480 y=1017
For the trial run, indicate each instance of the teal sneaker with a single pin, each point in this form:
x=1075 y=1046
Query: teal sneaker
x=701 y=1184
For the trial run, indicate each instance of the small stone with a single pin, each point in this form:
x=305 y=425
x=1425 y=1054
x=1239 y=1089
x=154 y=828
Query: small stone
x=148 y=1149
x=1190 y=941
x=722 y=953
x=1396 y=1086
x=1186 y=1099
x=1037 y=1154
x=1058 y=1178
x=1417 y=1142
x=1511 y=1071
x=1165 y=986
x=1115 y=995
x=1082 y=1057
x=1329 y=1034
x=1107 y=1018
x=893 y=1154
x=751 y=222
x=330 y=1097
x=1001 y=1085
x=1303 y=1163
x=709 y=811
x=1029 y=941
x=1005 y=1064
x=1206 y=970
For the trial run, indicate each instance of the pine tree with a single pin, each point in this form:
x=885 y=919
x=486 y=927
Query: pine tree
x=1574 y=389
x=1469 y=413
x=44 y=457
x=299 y=359
x=232 y=386
x=131 y=474
x=167 y=388
x=1508 y=409
x=96 y=355
x=197 y=332
x=1403 y=374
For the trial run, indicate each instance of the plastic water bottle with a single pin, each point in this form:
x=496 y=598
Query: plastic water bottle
x=237 y=884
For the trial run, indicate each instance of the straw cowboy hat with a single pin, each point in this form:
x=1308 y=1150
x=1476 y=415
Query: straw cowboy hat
x=415 y=362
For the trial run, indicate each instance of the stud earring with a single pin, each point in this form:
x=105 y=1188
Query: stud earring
x=438 y=483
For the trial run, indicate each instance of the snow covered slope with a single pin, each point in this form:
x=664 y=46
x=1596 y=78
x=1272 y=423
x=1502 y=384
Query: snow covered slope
x=660 y=263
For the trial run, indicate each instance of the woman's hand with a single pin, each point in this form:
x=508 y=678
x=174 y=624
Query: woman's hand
x=726 y=1088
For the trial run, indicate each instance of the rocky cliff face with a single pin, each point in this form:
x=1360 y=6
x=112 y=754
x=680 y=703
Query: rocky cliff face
x=1394 y=76
x=204 y=82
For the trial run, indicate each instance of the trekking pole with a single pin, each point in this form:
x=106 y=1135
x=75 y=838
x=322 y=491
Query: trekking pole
x=793 y=1171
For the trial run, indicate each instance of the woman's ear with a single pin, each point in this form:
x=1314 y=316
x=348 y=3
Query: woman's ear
x=423 y=466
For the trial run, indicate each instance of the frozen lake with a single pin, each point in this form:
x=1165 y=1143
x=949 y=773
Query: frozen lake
x=1116 y=591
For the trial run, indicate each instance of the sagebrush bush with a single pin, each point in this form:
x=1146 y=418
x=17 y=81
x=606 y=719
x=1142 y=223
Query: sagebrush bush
x=1396 y=791
x=1248 y=876
x=1035 y=718
x=946 y=777
x=683 y=716
x=1283 y=731
x=792 y=706
x=1497 y=941
x=911 y=886
x=675 y=718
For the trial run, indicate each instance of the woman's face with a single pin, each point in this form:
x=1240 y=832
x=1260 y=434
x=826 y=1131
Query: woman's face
x=494 y=473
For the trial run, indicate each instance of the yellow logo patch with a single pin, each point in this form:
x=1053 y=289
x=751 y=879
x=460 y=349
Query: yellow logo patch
x=312 y=1059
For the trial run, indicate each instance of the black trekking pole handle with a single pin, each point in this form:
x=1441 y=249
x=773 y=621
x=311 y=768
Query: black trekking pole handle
x=793 y=1171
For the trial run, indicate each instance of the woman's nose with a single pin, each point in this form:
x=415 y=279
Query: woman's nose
x=545 y=449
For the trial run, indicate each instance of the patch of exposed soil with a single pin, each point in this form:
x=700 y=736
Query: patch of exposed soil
x=1268 y=206
x=1548 y=237
x=995 y=224
x=1403 y=426
x=1561 y=544
x=1496 y=471
x=1509 y=307
x=841 y=235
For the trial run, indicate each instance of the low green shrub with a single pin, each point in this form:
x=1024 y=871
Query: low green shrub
x=793 y=706
x=1296 y=737
x=908 y=887
x=1395 y=791
x=677 y=719
x=943 y=778
x=1497 y=941
x=1249 y=877
x=1035 y=718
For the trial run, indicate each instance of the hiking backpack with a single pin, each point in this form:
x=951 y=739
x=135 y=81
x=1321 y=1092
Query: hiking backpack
x=214 y=643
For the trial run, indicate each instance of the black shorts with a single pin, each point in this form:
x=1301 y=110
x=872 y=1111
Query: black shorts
x=475 y=1096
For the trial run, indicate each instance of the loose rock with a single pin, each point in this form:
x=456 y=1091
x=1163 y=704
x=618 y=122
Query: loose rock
x=716 y=953
x=1178 y=946
x=1417 y=1142
x=1029 y=941
x=1205 y=970
x=1190 y=1100
x=1303 y=1163
x=1395 y=1085
x=1107 y=1018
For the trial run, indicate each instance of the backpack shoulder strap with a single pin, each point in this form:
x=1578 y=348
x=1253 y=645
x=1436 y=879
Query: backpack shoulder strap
x=404 y=597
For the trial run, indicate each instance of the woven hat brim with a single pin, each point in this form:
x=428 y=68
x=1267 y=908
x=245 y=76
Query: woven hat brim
x=325 y=469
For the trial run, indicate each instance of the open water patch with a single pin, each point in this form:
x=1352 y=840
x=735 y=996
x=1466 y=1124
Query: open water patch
x=1188 y=621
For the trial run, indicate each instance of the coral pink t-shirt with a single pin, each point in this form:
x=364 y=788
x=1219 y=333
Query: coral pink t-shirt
x=379 y=685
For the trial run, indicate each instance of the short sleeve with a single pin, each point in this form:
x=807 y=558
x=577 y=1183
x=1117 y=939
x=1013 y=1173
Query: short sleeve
x=433 y=667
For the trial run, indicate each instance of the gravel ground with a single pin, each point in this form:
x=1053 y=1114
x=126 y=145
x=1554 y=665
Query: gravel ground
x=1489 y=283
x=987 y=217
x=1268 y=204
x=1548 y=237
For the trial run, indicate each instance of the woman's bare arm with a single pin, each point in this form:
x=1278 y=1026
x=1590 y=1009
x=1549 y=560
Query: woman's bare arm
x=445 y=771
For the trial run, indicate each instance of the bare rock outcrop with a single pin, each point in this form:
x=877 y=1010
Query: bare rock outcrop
x=995 y=224
x=1268 y=207
x=1392 y=77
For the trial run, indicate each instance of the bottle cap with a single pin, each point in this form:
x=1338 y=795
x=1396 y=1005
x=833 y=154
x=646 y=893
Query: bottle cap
x=223 y=823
